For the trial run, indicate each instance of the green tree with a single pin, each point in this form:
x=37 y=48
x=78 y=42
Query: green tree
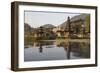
x=87 y=23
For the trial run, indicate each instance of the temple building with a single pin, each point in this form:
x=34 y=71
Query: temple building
x=71 y=28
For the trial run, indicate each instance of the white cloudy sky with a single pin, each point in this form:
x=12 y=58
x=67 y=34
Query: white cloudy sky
x=36 y=19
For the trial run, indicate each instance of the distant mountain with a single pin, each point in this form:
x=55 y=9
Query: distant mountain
x=75 y=18
x=63 y=25
x=82 y=16
x=28 y=28
x=48 y=26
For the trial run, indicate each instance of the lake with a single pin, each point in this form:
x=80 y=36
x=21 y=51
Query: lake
x=57 y=50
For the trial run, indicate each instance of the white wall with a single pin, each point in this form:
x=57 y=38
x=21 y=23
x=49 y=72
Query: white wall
x=5 y=36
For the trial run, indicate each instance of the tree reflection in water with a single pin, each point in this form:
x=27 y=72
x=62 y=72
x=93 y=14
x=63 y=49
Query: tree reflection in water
x=80 y=49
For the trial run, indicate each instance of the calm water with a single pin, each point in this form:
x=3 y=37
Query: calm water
x=56 y=50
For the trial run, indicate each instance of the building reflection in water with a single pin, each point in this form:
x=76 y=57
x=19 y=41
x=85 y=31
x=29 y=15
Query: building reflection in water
x=78 y=48
x=40 y=48
x=67 y=48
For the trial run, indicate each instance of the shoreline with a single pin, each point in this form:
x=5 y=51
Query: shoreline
x=70 y=40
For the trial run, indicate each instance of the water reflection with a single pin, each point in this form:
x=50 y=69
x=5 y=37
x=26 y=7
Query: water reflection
x=40 y=48
x=57 y=50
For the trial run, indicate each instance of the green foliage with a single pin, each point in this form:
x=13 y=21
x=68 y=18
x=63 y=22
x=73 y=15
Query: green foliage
x=87 y=24
x=47 y=34
x=29 y=39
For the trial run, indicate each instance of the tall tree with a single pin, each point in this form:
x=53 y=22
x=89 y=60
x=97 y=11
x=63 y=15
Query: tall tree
x=87 y=23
